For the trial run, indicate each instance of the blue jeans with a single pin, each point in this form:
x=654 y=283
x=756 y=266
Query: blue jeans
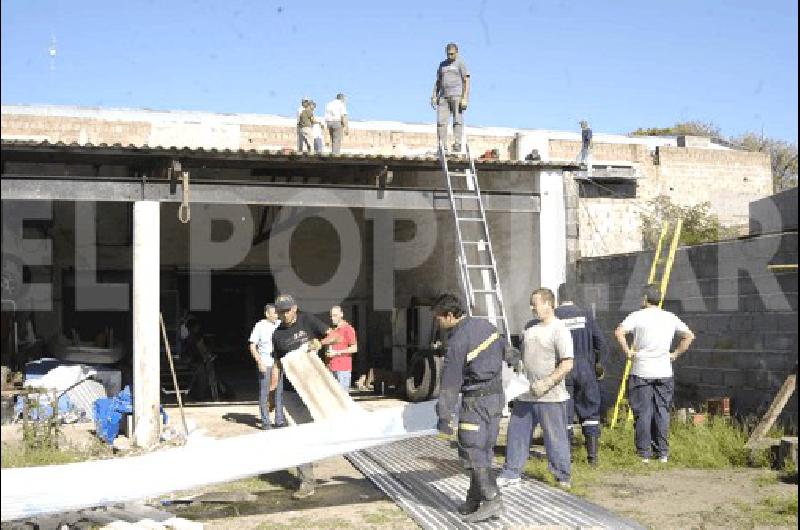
x=263 y=396
x=651 y=400
x=525 y=415
x=343 y=376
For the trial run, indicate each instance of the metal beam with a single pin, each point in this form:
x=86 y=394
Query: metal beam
x=72 y=190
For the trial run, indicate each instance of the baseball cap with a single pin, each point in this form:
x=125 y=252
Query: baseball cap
x=285 y=302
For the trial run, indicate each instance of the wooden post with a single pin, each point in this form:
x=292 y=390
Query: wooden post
x=146 y=342
x=774 y=411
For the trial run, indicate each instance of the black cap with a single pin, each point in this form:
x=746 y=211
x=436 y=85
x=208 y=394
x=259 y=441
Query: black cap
x=285 y=302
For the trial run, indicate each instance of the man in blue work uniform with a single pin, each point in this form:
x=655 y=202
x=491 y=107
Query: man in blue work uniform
x=590 y=349
x=472 y=367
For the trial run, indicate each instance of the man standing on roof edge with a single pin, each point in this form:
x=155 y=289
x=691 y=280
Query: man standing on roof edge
x=451 y=96
x=472 y=367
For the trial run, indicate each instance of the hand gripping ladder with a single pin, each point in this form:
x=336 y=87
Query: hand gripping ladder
x=660 y=272
x=476 y=261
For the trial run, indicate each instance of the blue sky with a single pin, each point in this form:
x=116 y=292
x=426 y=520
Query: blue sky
x=621 y=64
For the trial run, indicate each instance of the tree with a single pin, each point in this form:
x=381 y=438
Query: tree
x=782 y=154
x=689 y=128
x=699 y=224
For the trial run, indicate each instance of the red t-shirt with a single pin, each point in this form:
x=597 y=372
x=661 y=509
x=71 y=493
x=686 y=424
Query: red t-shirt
x=345 y=337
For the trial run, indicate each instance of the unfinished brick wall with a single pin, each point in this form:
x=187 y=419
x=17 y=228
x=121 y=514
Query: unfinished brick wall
x=744 y=316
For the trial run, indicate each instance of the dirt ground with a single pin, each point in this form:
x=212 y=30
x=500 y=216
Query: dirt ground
x=665 y=499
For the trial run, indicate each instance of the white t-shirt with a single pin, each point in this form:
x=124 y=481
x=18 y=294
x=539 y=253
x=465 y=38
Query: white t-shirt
x=317 y=130
x=653 y=330
x=544 y=346
x=334 y=111
x=262 y=338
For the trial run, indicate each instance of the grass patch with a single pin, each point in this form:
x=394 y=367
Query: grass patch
x=14 y=455
x=773 y=511
x=717 y=444
x=305 y=522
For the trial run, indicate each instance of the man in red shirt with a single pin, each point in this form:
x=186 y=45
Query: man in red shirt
x=342 y=345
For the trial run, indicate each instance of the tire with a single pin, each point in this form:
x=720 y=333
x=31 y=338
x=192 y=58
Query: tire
x=421 y=377
x=438 y=362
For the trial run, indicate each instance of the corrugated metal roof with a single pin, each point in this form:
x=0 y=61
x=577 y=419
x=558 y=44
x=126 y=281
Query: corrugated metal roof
x=265 y=155
x=424 y=477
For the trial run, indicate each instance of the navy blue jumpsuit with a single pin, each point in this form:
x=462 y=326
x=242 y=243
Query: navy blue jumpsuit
x=473 y=367
x=582 y=384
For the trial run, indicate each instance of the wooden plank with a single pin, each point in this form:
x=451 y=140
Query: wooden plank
x=774 y=411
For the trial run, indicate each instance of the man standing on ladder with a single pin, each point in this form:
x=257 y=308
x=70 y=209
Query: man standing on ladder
x=451 y=96
x=590 y=348
x=472 y=367
x=651 y=384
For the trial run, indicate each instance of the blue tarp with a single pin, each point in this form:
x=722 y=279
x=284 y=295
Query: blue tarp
x=108 y=414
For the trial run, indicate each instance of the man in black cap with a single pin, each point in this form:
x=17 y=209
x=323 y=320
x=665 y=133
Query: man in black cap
x=296 y=330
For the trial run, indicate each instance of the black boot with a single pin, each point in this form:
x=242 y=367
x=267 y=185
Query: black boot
x=473 y=496
x=492 y=505
x=592 y=444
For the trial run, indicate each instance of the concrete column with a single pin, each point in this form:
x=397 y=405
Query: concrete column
x=552 y=230
x=146 y=340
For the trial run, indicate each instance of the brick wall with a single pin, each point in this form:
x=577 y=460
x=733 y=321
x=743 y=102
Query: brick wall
x=744 y=316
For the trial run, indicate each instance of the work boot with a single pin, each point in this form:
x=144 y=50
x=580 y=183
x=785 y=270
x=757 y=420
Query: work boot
x=492 y=502
x=473 y=496
x=592 y=444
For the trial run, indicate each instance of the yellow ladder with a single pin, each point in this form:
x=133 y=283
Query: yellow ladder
x=656 y=269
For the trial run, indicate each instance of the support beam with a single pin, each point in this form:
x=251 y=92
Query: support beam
x=146 y=352
x=552 y=231
x=310 y=196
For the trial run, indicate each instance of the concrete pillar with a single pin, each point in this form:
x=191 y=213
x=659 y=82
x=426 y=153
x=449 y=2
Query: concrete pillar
x=146 y=340
x=552 y=230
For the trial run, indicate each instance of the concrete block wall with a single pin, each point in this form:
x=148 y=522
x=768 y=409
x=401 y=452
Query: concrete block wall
x=744 y=317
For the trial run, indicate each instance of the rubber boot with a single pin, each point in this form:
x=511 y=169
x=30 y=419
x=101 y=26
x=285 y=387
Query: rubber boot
x=473 y=496
x=492 y=502
x=592 y=444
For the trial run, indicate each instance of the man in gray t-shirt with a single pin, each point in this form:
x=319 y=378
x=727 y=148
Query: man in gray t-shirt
x=451 y=96
x=547 y=356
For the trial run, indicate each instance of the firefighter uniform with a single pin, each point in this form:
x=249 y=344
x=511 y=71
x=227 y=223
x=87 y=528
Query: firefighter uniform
x=590 y=350
x=473 y=367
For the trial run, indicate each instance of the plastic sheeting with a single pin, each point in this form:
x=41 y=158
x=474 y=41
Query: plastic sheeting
x=52 y=489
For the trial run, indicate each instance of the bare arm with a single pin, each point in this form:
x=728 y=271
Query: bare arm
x=561 y=371
x=466 y=88
x=622 y=339
x=686 y=340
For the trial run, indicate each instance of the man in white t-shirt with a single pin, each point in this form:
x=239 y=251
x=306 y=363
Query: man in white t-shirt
x=336 y=120
x=547 y=356
x=261 y=350
x=651 y=384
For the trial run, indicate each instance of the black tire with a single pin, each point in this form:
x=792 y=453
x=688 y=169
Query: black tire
x=438 y=362
x=421 y=377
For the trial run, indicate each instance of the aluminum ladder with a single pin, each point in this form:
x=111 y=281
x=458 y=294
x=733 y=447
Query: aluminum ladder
x=660 y=272
x=476 y=262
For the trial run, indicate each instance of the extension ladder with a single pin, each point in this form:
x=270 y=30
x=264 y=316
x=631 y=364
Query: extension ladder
x=660 y=272
x=476 y=262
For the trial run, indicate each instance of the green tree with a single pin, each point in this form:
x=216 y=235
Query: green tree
x=689 y=128
x=783 y=157
x=699 y=224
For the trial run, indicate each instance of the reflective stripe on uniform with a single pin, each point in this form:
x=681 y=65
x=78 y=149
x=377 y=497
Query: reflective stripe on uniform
x=574 y=322
x=482 y=346
x=464 y=426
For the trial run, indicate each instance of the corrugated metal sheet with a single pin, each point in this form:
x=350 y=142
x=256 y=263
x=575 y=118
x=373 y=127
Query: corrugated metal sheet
x=424 y=477
x=282 y=155
x=83 y=395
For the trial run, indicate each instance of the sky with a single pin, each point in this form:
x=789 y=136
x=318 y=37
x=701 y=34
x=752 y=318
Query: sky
x=621 y=64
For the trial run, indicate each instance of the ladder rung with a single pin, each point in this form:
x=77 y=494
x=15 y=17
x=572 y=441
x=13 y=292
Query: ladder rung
x=472 y=219
x=484 y=291
x=465 y=196
x=475 y=243
x=459 y=173
x=480 y=266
